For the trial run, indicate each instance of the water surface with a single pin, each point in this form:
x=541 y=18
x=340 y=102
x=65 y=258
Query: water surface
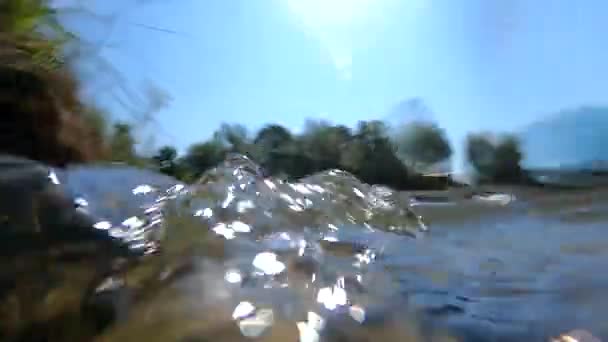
x=239 y=256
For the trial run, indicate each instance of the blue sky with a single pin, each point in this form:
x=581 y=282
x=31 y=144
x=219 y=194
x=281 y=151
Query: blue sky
x=478 y=64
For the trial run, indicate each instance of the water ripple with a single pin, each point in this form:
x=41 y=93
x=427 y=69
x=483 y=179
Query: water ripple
x=254 y=255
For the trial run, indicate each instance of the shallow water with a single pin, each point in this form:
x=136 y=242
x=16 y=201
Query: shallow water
x=328 y=258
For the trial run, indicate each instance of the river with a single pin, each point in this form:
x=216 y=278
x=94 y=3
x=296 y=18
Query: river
x=138 y=256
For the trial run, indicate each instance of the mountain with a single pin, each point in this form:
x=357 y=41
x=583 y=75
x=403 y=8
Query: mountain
x=575 y=138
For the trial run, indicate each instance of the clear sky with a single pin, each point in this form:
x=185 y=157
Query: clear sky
x=478 y=64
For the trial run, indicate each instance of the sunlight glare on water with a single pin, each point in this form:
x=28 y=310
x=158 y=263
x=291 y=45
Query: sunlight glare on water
x=353 y=256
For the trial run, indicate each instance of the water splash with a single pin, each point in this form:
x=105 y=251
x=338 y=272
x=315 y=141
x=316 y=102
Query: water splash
x=249 y=254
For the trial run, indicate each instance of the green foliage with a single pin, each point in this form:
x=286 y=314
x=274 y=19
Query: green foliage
x=273 y=137
x=323 y=144
x=35 y=25
x=122 y=144
x=371 y=157
x=422 y=145
x=203 y=156
x=235 y=138
x=367 y=152
x=508 y=160
x=277 y=151
x=37 y=47
x=480 y=153
x=495 y=159
x=166 y=161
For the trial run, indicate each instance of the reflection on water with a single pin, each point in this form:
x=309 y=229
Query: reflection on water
x=135 y=256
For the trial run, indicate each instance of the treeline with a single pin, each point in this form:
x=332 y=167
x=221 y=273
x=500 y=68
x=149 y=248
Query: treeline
x=366 y=151
x=372 y=151
x=495 y=158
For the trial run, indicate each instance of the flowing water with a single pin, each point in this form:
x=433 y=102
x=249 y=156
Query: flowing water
x=112 y=253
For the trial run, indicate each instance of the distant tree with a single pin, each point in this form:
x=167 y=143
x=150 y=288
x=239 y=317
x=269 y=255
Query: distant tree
x=324 y=143
x=495 y=159
x=122 y=144
x=275 y=149
x=372 y=132
x=372 y=158
x=480 y=153
x=508 y=160
x=422 y=144
x=273 y=137
x=166 y=155
x=235 y=137
x=367 y=152
x=203 y=156
x=166 y=161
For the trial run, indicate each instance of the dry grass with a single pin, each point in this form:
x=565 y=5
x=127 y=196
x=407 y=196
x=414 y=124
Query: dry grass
x=41 y=110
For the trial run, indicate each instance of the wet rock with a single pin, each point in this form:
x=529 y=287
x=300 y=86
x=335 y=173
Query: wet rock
x=53 y=252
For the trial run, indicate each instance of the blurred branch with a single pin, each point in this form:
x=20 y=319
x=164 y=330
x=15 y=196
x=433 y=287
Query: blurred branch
x=158 y=29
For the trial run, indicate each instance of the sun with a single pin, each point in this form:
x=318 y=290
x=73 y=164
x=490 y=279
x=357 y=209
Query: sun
x=333 y=22
x=325 y=14
x=344 y=27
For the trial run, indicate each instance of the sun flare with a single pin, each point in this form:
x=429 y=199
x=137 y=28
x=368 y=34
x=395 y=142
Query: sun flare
x=329 y=13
